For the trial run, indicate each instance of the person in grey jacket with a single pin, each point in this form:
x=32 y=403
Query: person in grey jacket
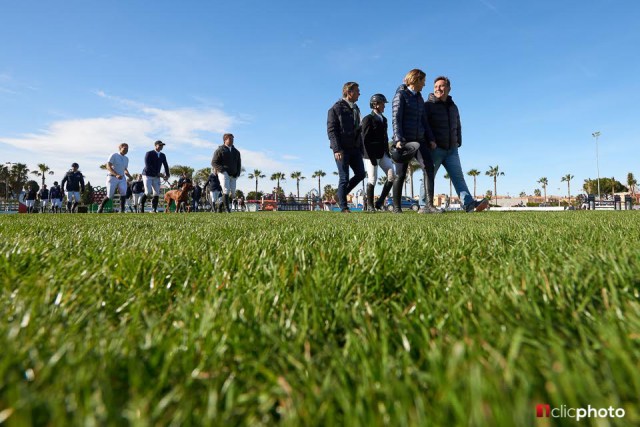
x=227 y=164
x=411 y=131
x=444 y=118
x=345 y=140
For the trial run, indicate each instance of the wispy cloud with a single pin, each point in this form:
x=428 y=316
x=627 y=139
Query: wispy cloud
x=489 y=5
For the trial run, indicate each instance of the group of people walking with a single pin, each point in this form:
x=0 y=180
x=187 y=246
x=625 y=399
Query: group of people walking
x=428 y=132
x=225 y=169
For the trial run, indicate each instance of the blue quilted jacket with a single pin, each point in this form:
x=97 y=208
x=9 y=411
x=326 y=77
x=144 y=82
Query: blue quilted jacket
x=409 y=119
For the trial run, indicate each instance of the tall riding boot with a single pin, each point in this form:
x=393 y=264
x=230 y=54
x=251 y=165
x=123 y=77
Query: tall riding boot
x=227 y=202
x=68 y=207
x=143 y=200
x=102 y=203
x=428 y=191
x=123 y=202
x=74 y=207
x=383 y=196
x=397 y=195
x=370 y=207
x=154 y=203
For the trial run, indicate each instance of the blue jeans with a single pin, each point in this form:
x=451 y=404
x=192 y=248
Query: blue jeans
x=451 y=162
x=351 y=158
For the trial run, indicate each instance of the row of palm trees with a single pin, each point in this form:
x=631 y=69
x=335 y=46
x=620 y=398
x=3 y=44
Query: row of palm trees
x=544 y=182
x=15 y=175
x=281 y=176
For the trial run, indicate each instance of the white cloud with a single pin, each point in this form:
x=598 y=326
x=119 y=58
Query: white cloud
x=191 y=134
x=259 y=160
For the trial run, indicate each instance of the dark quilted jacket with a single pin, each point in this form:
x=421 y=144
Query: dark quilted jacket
x=444 y=119
x=342 y=130
x=409 y=119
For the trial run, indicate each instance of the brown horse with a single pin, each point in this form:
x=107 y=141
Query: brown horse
x=178 y=196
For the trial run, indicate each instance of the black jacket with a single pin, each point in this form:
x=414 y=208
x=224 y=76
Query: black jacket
x=409 y=119
x=227 y=159
x=196 y=193
x=43 y=194
x=137 y=187
x=444 y=119
x=213 y=183
x=55 y=192
x=74 y=181
x=342 y=129
x=375 y=136
x=153 y=164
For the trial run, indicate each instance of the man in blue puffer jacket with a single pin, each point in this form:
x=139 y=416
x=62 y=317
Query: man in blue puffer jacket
x=345 y=139
x=444 y=118
x=410 y=128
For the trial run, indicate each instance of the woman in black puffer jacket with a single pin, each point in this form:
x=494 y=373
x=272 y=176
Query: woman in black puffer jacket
x=411 y=131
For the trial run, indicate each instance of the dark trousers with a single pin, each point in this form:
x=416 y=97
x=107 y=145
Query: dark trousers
x=351 y=158
x=425 y=161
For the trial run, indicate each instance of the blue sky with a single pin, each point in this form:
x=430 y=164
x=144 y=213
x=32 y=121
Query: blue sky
x=532 y=81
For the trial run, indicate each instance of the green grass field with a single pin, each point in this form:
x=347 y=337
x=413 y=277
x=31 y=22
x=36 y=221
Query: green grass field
x=318 y=318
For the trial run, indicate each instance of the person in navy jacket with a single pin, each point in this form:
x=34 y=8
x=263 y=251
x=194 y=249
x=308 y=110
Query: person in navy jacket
x=154 y=160
x=74 y=186
x=55 y=197
x=345 y=140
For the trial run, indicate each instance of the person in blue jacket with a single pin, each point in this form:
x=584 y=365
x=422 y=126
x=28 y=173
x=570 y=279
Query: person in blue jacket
x=411 y=131
x=154 y=160
x=74 y=181
x=55 y=197
x=214 y=190
x=43 y=196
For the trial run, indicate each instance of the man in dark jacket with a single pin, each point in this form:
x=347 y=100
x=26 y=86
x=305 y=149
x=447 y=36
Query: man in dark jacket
x=444 y=119
x=43 y=196
x=55 y=197
x=30 y=198
x=376 y=151
x=196 y=194
x=345 y=139
x=137 y=190
x=227 y=164
x=214 y=190
x=74 y=186
x=154 y=160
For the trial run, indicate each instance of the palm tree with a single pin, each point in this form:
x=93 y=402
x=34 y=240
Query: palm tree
x=42 y=171
x=4 y=174
x=257 y=174
x=568 y=177
x=544 y=182
x=297 y=176
x=447 y=176
x=18 y=177
x=494 y=172
x=474 y=173
x=631 y=183
x=202 y=175
x=319 y=174
x=178 y=170
x=278 y=176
